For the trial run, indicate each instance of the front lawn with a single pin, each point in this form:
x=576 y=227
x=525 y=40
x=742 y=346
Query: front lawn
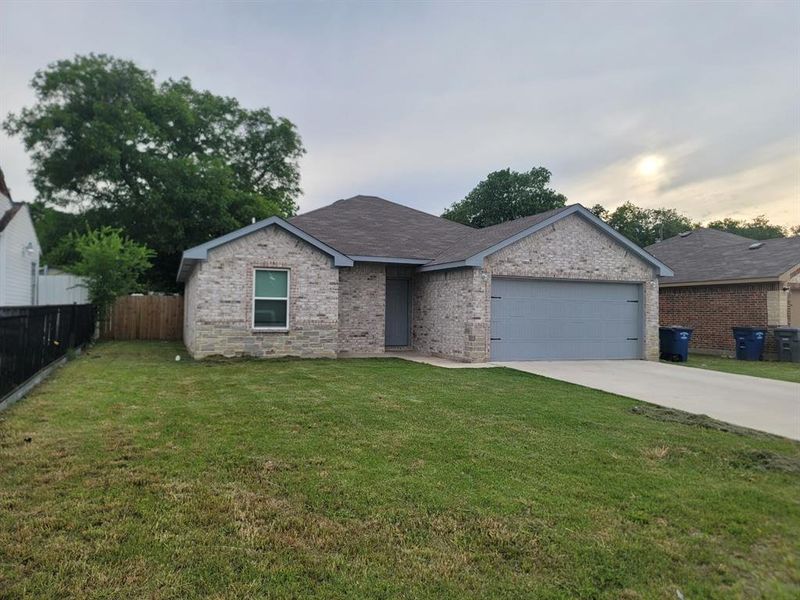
x=130 y=475
x=784 y=371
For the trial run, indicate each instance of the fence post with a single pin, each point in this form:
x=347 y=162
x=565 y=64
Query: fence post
x=73 y=320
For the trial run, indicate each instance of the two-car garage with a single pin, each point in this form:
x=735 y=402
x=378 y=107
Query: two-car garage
x=538 y=319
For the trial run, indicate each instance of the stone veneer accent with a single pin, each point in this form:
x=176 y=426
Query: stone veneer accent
x=362 y=308
x=219 y=296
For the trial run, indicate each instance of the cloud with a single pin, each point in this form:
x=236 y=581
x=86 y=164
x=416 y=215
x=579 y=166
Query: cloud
x=419 y=102
x=769 y=186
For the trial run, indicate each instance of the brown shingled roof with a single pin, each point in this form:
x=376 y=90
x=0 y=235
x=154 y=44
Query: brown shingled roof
x=372 y=226
x=481 y=239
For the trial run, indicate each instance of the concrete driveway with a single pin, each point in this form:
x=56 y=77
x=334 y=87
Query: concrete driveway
x=763 y=404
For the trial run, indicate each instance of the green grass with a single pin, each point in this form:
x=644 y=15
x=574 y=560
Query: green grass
x=784 y=371
x=377 y=478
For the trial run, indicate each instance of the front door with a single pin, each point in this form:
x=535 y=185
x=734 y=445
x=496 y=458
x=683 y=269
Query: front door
x=397 y=312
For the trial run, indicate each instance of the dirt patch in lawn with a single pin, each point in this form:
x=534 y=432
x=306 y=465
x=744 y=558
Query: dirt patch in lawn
x=763 y=460
x=670 y=415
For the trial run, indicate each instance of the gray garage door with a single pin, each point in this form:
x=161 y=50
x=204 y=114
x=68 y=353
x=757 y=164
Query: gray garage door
x=565 y=320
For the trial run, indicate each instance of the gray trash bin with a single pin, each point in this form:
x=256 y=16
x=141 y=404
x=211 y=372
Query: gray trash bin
x=788 y=339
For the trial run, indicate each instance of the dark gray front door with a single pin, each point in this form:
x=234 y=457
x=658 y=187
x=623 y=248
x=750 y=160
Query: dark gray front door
x=565 y=320
x=397 y=312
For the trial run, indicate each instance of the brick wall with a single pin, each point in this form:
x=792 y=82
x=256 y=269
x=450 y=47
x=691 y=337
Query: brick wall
x=575 y=249
x=220 y=292
x=452 y=308
x=449 y=314
x=190 y=310
x=714 y=309
x=362 y=308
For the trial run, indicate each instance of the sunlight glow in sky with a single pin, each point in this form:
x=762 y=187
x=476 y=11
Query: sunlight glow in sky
x=650 y=165
x=688 y=105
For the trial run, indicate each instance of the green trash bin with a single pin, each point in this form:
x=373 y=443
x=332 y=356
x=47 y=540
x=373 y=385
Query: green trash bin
x=788 y=339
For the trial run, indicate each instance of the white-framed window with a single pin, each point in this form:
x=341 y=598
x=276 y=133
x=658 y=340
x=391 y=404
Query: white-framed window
x=271 y=299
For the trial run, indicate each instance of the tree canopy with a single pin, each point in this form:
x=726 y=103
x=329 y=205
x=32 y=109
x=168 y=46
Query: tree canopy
x=758 y=229
x=645 y=226
x=170 y=165
x=506 y=195
x=112 y=265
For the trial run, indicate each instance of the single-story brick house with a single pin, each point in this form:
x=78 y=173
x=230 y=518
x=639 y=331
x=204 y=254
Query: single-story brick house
x=363 y=275
x=723 y=280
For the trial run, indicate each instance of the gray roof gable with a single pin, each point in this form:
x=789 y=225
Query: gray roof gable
x=199 y=253
x=708 y=255
x=492 y=239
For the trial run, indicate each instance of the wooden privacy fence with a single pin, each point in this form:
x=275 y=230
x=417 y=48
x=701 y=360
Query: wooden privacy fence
x=144 y=318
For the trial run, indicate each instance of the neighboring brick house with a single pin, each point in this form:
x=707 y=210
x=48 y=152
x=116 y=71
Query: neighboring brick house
x=723 y=281
x=364 y=275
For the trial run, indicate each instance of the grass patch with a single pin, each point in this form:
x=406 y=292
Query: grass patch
x=377 y=478
x=784 y=371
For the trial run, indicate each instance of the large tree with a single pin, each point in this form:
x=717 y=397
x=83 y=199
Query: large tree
x=758 y=229
x=170 y=165
x=645 y=226
x=506 y=195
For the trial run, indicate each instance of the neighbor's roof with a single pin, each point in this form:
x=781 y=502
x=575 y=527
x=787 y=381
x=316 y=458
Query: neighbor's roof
x=6 y=217
x=368 y=228
x=3 y=187
x=708 y=255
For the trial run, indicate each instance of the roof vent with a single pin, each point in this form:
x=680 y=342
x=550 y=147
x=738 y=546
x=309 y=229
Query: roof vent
x=755 y=246
x=685 y=234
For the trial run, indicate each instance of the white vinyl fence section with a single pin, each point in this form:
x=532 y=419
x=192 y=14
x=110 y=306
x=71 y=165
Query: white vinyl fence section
x=62 y=289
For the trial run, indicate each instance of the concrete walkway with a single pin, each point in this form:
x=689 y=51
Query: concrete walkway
x=753 y=402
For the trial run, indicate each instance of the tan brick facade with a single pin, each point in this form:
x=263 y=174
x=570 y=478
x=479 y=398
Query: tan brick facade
x=362 y=308
x=450 y=314
x=342 y=310
x=451 y=308
x=220 y=291
x=572 y=248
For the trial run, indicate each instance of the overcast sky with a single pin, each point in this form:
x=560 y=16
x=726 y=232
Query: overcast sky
x=692 y=106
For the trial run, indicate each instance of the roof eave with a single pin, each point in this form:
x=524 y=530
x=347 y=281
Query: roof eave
x=389 y=259
x=443 y=266
x=702 y=282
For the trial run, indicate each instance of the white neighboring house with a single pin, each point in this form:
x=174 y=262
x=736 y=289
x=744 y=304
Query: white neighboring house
x=58 y=287
x=19 y=255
